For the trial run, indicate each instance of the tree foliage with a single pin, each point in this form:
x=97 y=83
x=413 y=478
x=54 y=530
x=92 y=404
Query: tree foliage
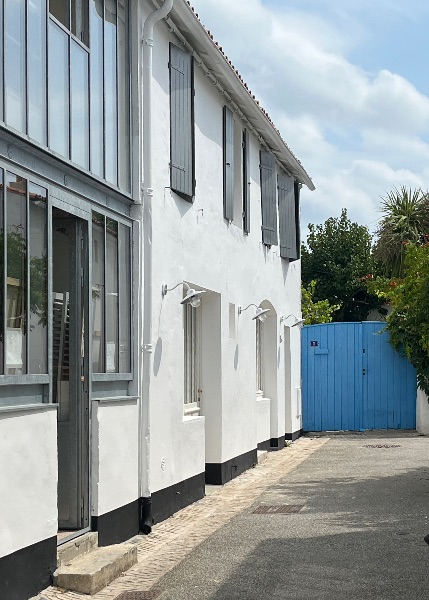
x=315 y=312
x=408 y=323
x=405 y=219
x=338 y=258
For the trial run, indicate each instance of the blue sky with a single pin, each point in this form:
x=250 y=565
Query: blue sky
x=346 y=82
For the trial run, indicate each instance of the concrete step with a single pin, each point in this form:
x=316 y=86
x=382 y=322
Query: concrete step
x=91 y=572
x=77 y=547
x=262 y=455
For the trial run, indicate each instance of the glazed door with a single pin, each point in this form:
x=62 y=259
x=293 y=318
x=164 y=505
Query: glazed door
x=70 y=368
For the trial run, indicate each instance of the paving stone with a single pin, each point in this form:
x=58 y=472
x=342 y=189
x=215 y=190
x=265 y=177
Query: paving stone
x=173 y=539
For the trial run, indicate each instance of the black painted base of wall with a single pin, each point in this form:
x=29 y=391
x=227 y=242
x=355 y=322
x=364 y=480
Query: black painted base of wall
x=264 y=445
x=220 y=473
x=117 y=525
x=294 y=436
x=26 y=572
x=168 y=501
x=277 y=443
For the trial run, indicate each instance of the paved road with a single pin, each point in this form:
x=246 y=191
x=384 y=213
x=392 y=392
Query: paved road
x=359 y=535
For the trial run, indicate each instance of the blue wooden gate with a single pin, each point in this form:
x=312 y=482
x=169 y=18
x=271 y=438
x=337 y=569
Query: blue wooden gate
x=352 y=379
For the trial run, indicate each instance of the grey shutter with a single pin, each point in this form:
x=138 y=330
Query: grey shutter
x=228 y=164
x=182 y=122
x=287 y=217
x=246 y=182
x=268 y=198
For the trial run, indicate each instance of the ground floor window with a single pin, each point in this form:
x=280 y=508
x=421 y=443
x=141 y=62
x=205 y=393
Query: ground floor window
x=192 y=350
x=259 y=358
x=23 y=276
x=111 y=295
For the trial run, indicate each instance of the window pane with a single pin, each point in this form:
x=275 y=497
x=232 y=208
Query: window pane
x=61 y=11
x=123 y=96
x=37 y=70
x=124 y=299
x=112 y=296
x=79 y=106
x=79 y=18
x=15 y=63
x=58 y=90
x=97 y=293
x=2 y=241
x=38 y=313
x=16 y=244
x=111 y=114
x=97 y=87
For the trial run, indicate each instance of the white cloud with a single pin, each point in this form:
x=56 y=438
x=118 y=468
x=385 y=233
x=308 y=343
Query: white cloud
x=357 y=133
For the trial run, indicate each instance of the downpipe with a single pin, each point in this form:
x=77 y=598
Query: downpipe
x=146 y=347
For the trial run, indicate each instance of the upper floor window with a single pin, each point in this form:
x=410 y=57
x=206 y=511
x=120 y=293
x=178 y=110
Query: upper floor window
x=67 y=80
x=236 y=191
x=288 y=199
x=268 y=198
x=73 y=14
x=182 y=152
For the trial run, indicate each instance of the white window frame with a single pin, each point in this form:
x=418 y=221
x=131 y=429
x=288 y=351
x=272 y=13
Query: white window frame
x=259 y=359
x=192 y=360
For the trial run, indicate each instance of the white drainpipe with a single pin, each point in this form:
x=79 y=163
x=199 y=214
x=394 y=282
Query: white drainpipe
x=146 y=264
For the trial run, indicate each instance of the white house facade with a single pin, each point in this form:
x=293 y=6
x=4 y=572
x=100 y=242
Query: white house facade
x=149 y=275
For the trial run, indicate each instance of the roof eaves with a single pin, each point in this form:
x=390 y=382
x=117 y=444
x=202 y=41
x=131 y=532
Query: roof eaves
x=187 y=21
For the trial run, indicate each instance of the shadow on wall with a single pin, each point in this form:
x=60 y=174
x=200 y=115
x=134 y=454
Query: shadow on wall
x=157 y=356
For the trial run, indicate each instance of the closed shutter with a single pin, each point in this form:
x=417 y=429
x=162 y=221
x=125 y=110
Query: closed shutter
x=182 y=122
x=246 y=182
x=287 y=217
x=228 y=164
x=268 y=198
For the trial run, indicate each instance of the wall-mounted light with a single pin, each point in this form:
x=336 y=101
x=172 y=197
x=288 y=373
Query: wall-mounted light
x=297 y=321
x=261 y=313
x=192 y=297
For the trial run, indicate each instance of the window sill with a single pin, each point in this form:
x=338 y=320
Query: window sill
x=28 y=407
x=112 y=377
x=23 y=379
x=116 y=399
x=191 y=410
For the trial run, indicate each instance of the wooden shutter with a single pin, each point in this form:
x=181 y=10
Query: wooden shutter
x=268 y=198
x=246 y=182
x=287 y=217
x=182 y=122
x=228 y=164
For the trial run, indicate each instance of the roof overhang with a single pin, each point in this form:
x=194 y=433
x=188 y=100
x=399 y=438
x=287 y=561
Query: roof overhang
x=183 y=18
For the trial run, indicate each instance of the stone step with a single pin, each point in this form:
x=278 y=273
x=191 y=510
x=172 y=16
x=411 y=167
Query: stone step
x=77 y=547
x=262 y=455
x=90 y=573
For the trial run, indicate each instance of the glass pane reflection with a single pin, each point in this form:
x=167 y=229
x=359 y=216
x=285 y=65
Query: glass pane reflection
x=37 y=70
x=97 y=293
x=15 y=64
x=16 y=243
x=79 y=106
x=58 y=90
x=112 y=296
x=38 y=249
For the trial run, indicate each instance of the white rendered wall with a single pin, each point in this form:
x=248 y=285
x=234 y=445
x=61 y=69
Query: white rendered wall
x=28 y=467
x=422 y=412
x=192 y=242
x=114 y=477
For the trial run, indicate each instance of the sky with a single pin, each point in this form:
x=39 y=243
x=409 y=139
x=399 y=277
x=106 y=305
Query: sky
x=347 y=84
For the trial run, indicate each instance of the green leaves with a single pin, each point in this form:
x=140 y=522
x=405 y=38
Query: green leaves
x=409 y=321
x=405 y=220
x=338 y=258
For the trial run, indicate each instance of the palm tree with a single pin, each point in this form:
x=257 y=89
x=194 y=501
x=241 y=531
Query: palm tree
x=405 y=220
